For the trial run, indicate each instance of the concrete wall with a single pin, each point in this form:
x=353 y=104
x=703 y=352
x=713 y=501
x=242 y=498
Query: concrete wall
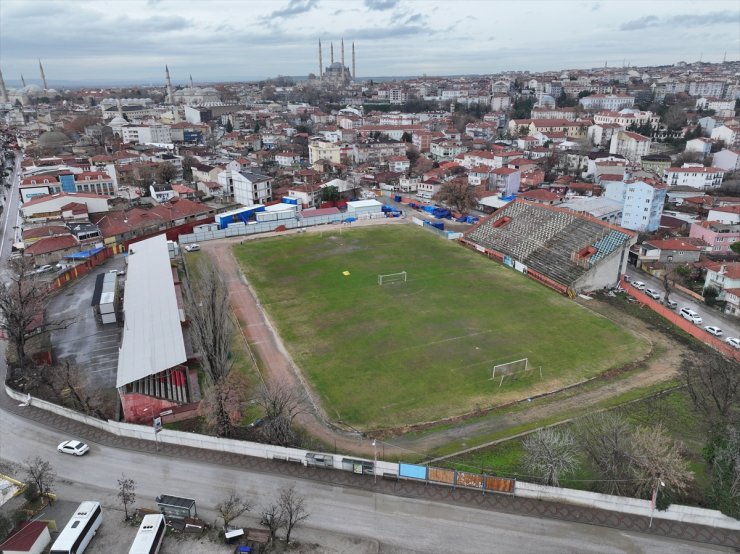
x=686 y=514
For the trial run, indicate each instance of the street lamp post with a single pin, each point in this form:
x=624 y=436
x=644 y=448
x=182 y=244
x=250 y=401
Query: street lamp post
x=654 y=497
x=375 y=464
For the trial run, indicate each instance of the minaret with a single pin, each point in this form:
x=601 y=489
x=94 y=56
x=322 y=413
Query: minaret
x=191 y=81
x=321 y=64
x=354 y=70
x=120 y=107
x=23 y=81
x=3 y=90
x=332 y=53
x=43 y=77
x=169 y=85
x=342 y=59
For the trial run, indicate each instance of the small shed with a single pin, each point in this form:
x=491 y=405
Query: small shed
x=358 y=208
x=31 y=537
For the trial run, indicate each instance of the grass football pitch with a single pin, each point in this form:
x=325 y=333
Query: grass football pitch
x=403 y=353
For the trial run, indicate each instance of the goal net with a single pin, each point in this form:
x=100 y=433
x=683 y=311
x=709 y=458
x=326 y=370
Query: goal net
x=510 y=368
x=390 y=278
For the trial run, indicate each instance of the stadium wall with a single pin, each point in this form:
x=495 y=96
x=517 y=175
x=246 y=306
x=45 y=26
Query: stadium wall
x=533 y=274
x=606 y=273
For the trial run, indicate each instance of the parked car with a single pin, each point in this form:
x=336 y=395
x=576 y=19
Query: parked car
x=45 y=268
x=691 y=315
x=653 y=294
x=76 y=448
x=733 y=341
x=671 y=304
x=639 y=285
x=712 y=330
x=192 y=247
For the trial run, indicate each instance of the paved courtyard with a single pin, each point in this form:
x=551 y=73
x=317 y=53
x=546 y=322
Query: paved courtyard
x=86 y=342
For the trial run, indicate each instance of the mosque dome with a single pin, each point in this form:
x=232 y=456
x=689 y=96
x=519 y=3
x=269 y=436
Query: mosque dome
x=117 y=121
x=31 y=90
x=53 y=139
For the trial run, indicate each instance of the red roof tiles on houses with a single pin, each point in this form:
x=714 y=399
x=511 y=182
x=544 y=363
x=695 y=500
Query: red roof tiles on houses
x=51 y=244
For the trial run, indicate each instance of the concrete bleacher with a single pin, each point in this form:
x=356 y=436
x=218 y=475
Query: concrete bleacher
x=548 y=240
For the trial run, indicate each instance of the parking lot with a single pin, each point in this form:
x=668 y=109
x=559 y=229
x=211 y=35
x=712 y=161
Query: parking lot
x=86 y=342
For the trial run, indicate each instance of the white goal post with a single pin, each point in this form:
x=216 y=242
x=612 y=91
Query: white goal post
x=389 y=278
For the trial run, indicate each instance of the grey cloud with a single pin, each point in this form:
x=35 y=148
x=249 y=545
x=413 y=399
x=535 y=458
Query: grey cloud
x=294 y=7
x=416 y=18
x=388 y=32
x=381 y=5
x=683 y=20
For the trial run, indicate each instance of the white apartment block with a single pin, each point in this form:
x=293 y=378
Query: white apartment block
x=246 y=187
x=695 y=176
x=707 y=88
x=627 y=117
x=632 y=146
x=642 y=203
x=729 y=134
x=722 y=108
x=613 y=102
x=446 y=149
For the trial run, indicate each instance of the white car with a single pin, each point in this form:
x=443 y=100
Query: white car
x=712 y=330
x=733 y=341
x=639 y=285
x=192 y=247
x=76 y=448
x=653 y=294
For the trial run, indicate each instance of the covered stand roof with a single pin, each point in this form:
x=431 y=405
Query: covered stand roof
x=152 y=336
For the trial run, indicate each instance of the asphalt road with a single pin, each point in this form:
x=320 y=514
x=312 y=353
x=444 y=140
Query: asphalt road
x=9 y=217
x=400 y=524
x=729 y=325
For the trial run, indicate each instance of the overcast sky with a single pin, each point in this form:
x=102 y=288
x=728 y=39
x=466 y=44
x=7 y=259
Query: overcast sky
x=236 y=40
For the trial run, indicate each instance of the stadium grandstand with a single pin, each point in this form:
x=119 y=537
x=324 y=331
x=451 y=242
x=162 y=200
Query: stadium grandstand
x=568 y=251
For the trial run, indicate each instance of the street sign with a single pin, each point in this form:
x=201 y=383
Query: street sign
x=157 y=424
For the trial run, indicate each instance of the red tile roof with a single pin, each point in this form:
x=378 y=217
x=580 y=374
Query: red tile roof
x=46 y=231
x=732 y=269
x=52 y=244
x=24 y=537
x=674 y=244
x=540 y=194
x=70 y=195
x=635 y=136
x=694 y=170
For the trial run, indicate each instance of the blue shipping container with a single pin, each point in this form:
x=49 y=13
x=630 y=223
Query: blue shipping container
x=397 y=198
x=439 y=225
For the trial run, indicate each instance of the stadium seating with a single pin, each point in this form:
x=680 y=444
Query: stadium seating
x=548 y=240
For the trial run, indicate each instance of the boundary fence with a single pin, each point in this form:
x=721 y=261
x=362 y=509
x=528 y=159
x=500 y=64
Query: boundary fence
x=675 y=318
x=391 y=470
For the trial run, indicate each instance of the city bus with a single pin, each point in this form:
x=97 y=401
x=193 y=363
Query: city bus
x=151 y=533
x=80 y=529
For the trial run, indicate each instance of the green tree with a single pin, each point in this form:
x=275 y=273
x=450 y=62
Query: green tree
x=735 y=247
x=406 y=137
x=522 y=108
x=710 y=296
x=229 y=127
x=330 y=194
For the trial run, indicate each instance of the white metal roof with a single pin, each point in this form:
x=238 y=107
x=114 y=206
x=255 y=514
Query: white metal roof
x=364 y=203
x=152 y=336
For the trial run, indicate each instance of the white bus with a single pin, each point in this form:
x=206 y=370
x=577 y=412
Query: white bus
x=151 y=533
x=79 y=530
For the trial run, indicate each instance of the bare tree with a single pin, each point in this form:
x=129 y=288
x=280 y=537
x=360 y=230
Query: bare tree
x=272 y=519
x=166 y=172
x=550 y=453
x=40 y=473
x=605 y=439
x=222 y=403
x=68 y=381
x=292 y=509
x=657 y=457
x=232 y=507
x=713 y=382
x=281 y=404
x=22 y=308
x=211 y=328
x=458 y=194
x=126 y=493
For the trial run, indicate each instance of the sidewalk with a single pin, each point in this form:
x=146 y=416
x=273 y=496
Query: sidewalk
x=494 y=502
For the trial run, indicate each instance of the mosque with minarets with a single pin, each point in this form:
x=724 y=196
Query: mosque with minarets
x=336 y=73
x=27 y=93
